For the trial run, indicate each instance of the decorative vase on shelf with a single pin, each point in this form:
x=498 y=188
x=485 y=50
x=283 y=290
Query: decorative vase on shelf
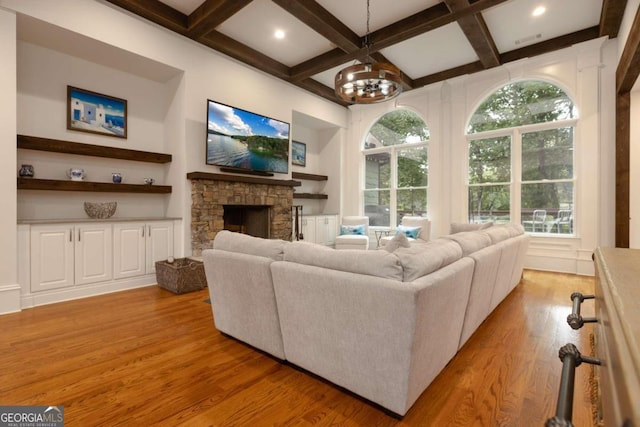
x=26 y=171
x=76 y=174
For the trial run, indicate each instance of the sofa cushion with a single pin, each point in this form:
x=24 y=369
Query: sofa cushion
x=245 y=244
x=460 y=227
x=411 y=232
x=497 y=233
x=424 y=258
x=372 y=263
x=355 y=230
x=470 y=241
x=400 y=240
x=514 y=229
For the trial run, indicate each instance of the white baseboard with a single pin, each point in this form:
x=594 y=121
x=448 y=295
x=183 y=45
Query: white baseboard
x=10 y=299
x=33 y=299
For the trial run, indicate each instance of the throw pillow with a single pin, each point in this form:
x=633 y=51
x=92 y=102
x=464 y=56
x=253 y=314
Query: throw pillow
x=399 y=241
x=459 y=227
x=357 y=230
x=411 y=232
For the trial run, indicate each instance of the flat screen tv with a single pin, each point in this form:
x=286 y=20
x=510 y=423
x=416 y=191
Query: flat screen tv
x=247 y=141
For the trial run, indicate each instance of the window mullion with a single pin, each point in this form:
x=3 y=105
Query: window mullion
x=516 y=175
x=393 y=200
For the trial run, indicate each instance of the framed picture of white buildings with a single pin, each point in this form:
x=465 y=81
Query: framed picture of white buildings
x=93 y=112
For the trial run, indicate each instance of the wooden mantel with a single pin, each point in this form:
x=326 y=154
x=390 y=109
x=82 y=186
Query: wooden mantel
x=240 y=178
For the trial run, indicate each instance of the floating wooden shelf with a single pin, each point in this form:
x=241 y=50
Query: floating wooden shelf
x=310 y=196
x=240 y=178
x=67 y=147
x=100 y=187
x=309 y=176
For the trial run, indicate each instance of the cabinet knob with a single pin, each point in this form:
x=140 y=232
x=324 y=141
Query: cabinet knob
x=575 y=320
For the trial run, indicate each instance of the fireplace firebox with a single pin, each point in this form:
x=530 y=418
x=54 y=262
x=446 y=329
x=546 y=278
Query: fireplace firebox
x=252 y=220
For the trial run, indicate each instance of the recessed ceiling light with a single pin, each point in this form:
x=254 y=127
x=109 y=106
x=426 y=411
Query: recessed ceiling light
x=279 y=34
x=539 y=11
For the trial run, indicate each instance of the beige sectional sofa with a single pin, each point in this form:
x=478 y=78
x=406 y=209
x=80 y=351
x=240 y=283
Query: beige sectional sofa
x=380 y=324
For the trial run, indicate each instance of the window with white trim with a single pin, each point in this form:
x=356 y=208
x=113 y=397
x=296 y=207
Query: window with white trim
x=521 y=158
x=396 y=168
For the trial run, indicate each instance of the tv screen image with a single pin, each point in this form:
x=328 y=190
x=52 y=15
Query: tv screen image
x=241 y=139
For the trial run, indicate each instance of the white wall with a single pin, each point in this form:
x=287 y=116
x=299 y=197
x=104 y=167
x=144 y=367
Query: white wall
x=9 y=288
x=584 y=71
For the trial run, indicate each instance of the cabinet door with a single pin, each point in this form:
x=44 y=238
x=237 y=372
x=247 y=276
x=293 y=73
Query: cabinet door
x=159 y=243
x=326 y=230
x=331 y=227
x=129 y=250
x=51 y=256
x=93 y=253
x=309 y=228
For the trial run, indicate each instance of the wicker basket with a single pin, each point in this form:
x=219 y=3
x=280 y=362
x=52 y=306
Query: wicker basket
x=181 y=276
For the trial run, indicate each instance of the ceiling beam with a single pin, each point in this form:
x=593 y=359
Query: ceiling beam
x=611 y=17
x=321 y=90
x=310 y=13
x=210 y=14
x=629 y=64
x=156 y=11
x=550 y=45
x=475 y=29
x=244 y=53
x=451 y=73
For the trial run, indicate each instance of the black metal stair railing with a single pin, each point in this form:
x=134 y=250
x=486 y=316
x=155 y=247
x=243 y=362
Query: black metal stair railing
x=575 y=320
x=571 y=359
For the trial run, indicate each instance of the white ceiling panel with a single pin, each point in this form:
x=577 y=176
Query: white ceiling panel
x=255 y=26
x=440 y=49
x=184 y=6
x=512 y=25
x=353 y=13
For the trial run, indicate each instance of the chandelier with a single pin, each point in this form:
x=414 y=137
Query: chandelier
x=368 y=82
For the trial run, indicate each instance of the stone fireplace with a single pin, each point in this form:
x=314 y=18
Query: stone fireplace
x=252 y=205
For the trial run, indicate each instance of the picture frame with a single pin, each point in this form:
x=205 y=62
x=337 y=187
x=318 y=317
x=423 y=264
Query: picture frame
x=96 y=113
x=298 y=153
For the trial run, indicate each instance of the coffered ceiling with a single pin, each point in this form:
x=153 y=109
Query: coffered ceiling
x=429 y=40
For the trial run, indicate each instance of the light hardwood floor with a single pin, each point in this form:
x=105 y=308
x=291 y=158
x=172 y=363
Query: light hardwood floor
x=148 y=357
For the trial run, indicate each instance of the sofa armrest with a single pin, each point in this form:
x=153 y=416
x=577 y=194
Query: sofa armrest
x=243 y=300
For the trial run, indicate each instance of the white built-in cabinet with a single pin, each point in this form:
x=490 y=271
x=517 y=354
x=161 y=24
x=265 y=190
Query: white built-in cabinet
x=321 y=229
x=66 y=255
x=138 y=245
x=326 y=229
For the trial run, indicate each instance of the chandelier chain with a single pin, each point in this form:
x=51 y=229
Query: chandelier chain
x=367 y=44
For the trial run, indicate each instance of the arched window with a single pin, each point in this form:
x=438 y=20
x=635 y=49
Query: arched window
x=396 y=168
x=521 y=156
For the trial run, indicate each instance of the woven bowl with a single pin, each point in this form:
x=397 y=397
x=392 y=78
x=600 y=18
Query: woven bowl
x=100 y=210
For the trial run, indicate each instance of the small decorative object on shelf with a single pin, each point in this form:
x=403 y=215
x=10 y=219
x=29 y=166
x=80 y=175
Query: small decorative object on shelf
x=116 y=177
x=100 y=210
x=76 y=174
x=149 y=181
x=26 y=171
